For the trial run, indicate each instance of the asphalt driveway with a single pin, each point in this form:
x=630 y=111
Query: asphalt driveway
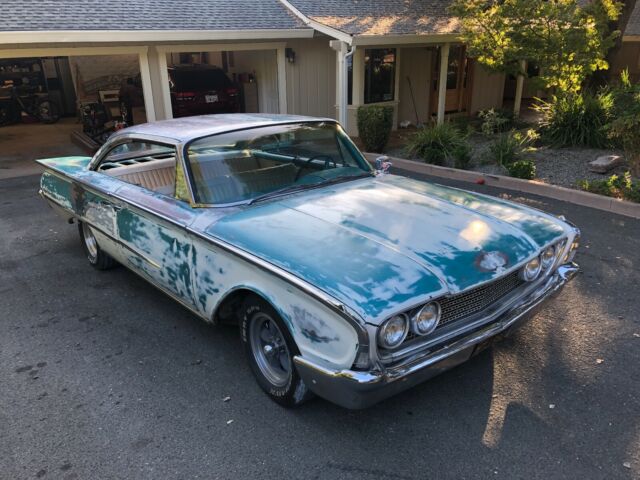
x=102 y=376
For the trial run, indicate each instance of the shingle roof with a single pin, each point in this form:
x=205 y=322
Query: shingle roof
x=633 y=25
x=381 y=17
x=35 y=15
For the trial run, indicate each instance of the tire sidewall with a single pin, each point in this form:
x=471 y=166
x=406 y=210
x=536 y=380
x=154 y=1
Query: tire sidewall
x=285 y=395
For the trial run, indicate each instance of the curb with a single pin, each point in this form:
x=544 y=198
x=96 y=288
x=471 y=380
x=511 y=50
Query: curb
x=578 y=197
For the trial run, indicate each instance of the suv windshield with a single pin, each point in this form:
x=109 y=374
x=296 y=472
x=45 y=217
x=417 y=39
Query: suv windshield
x=247 y=165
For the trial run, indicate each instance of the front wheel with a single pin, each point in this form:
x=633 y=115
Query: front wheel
x=270 y=350
x=48 y=111
x=98 y=259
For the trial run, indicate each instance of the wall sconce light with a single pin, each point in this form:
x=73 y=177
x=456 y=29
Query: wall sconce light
x=290 y=55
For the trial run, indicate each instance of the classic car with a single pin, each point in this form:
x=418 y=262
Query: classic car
x=346 y=281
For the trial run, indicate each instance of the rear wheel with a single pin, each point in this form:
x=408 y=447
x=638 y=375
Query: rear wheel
x=270 y=351
x=97 y=258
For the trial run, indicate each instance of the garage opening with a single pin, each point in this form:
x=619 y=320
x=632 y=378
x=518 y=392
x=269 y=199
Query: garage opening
x=223 y=82
x=64 y=105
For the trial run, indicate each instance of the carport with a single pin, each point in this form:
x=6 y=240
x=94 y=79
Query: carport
x=108 y=44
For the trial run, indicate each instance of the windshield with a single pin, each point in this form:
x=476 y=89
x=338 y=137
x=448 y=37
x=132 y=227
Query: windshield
x=246 y=165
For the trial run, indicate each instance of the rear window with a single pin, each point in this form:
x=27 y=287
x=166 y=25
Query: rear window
x=200 y=80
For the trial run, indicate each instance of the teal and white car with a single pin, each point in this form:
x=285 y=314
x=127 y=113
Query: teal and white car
x=346 y=282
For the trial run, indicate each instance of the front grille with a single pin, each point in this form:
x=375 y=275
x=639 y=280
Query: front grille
x=473 y=301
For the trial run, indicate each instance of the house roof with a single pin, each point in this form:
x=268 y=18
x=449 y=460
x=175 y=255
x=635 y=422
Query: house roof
x=380 y=17
x=69 y=15
x=633 y=25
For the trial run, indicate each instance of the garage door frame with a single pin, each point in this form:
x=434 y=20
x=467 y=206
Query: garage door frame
x=141 y=51
x=279 y=47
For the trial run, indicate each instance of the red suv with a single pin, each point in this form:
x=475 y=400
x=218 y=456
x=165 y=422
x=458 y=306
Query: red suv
x=202 y=89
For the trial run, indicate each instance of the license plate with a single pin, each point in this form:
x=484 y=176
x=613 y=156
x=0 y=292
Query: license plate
x=211 y=98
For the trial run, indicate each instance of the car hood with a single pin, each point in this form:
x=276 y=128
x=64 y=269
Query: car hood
x=383 y=244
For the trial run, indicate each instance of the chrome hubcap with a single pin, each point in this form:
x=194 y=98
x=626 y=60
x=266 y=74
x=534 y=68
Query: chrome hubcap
x=90 y=241
x=269 y=349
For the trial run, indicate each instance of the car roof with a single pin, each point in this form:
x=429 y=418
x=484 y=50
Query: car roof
x=181 y=130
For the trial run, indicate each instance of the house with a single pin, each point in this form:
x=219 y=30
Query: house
x=627 y=54
x=312 y=57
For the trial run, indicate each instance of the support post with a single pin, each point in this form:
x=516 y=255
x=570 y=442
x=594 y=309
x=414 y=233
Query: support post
x=147 y=90
x=282 y=80
x=517 y=103
x=442 y=82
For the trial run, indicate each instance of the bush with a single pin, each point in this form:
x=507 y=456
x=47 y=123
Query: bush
x=576 y=119
x=625 y=126
x=439 y=143
x=522 y=169
x=615 y=186
x=509 y=147
x=374 y=126
x=495 y=121
x=462 y=156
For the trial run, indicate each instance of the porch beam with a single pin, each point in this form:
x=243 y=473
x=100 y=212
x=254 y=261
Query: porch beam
x=442 y=82
x=147 y=90
x=281 y=61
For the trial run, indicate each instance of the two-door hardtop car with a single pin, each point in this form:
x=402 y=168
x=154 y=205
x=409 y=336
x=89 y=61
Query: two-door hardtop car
x=345 y=281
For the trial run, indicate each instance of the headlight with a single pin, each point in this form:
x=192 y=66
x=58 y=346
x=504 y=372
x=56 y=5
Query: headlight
x=531 y=270
x=572 y=249
x=548 y=257
x=427 y=318
x=393 y=332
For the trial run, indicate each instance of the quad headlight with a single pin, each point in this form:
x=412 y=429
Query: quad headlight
x=531 y=270
x=393 y=331
x=427 y=319
x=548 y=257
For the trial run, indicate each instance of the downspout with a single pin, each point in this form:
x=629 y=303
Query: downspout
x=344 y=90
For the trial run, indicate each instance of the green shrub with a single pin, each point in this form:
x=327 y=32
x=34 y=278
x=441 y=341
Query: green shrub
x=461 y=156
x=374 y=126
x=439 y=143
x=495 y=121
x=509 y=147
x=577 y=119
x=615 y=186
x=625 y=125
x=522 y=169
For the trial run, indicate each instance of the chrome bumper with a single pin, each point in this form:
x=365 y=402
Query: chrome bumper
x=357 y=389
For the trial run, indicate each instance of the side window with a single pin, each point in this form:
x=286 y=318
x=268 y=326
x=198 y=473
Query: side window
x=146 y=164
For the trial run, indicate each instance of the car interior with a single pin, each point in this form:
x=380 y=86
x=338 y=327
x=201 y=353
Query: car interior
x=225 y=173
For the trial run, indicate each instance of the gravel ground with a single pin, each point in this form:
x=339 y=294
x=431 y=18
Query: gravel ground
x=557 y=166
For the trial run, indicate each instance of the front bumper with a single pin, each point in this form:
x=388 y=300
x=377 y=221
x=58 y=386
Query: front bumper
x=357 y=389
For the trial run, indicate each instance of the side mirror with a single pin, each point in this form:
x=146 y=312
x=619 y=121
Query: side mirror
x=383 y=165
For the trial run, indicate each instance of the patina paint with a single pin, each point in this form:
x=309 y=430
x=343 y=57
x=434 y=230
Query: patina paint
x=380 y=248
x=368 y=276
x=539 y=226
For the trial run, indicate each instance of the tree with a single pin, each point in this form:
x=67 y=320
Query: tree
x=567 y=39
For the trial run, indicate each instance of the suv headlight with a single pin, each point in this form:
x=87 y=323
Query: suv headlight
x=393 y=331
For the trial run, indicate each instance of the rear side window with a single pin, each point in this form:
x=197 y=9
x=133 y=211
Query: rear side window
x=198 y=80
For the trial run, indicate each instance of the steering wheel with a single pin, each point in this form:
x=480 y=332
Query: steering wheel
x=327 y=163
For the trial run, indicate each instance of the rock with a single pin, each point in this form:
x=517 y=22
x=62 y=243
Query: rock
x=605 y=163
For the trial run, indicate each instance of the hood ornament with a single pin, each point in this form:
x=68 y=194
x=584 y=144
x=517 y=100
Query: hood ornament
x=492 y=261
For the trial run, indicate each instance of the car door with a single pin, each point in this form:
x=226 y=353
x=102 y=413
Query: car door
x=150 y=223
x=152 y=229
